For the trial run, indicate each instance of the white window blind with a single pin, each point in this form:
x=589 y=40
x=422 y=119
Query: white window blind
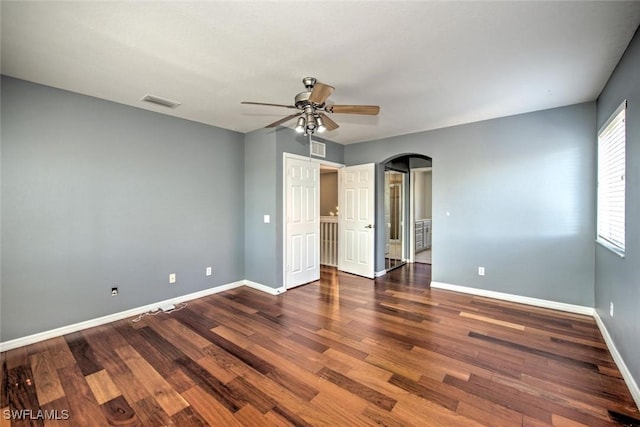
x=611 y=181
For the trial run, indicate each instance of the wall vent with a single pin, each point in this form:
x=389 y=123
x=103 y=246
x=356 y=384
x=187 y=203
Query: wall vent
x=160 y=101
x=318 y=149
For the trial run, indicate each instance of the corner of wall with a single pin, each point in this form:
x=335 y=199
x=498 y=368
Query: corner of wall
x=617 y=357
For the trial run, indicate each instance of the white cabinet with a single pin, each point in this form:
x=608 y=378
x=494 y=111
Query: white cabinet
x=423 y=234
x=427 y=234
x=419 y=236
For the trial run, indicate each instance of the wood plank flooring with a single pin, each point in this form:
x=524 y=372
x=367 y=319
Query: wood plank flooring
x=344 y=351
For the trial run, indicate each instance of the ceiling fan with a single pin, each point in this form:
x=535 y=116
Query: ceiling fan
x=313 y=108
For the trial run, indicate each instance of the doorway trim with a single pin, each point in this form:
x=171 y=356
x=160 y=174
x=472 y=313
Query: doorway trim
x=286 y=155
x=412 y=212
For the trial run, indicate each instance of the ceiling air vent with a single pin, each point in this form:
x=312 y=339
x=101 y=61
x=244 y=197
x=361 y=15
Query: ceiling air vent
x=318 y=149
x=160 y=101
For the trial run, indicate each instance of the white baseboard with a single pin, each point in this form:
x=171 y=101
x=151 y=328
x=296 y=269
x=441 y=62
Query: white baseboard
x=617 y=357
x=380 y=273
x=263 y=288
x=571 y=308
x=41 y=336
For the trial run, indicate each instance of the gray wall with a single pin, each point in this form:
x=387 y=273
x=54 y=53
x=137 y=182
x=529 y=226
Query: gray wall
x=618 y=279
x=97 y=194
x=520 y=195
x=264 y=150
x=260 y=259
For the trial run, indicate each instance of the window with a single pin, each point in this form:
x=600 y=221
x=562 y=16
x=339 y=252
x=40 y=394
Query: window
x=611 y=178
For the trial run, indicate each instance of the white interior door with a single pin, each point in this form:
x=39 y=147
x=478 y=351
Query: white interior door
x=302 y=185
x=357 y=220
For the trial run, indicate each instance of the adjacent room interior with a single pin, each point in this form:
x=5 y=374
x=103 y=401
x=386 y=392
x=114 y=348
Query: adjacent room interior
x=439 y=228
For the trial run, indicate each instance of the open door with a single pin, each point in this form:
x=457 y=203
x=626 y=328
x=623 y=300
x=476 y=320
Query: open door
x=356 y=221
x=302 y=186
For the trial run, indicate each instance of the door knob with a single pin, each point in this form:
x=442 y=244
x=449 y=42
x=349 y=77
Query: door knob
x=369 y=226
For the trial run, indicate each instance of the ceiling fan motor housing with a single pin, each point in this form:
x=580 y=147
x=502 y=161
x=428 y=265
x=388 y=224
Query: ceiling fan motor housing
x=302 y=101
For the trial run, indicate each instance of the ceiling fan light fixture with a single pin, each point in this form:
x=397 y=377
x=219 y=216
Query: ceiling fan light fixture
x=320 y=122
x=301 y=125
x=311 y=124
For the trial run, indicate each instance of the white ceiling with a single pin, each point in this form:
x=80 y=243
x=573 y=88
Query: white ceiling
x=427 y=64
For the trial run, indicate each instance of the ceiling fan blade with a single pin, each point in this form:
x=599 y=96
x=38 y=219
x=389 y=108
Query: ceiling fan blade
x=267 y=104
x=328 y=122
x=370 y=110
x=320 y=93
x=281 y=121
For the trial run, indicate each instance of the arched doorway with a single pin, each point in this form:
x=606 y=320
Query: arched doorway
x=407 y=210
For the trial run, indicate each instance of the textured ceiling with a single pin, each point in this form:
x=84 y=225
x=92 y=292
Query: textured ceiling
x=427 y=64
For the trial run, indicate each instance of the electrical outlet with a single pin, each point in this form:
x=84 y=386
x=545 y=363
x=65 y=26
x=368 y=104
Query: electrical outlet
x=611 y=308
x=480 y=271
x=172 y=278
x=114 y=292
x=208 y=271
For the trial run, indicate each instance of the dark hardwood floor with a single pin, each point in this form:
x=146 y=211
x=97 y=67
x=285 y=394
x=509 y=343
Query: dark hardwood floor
x=344 y=351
